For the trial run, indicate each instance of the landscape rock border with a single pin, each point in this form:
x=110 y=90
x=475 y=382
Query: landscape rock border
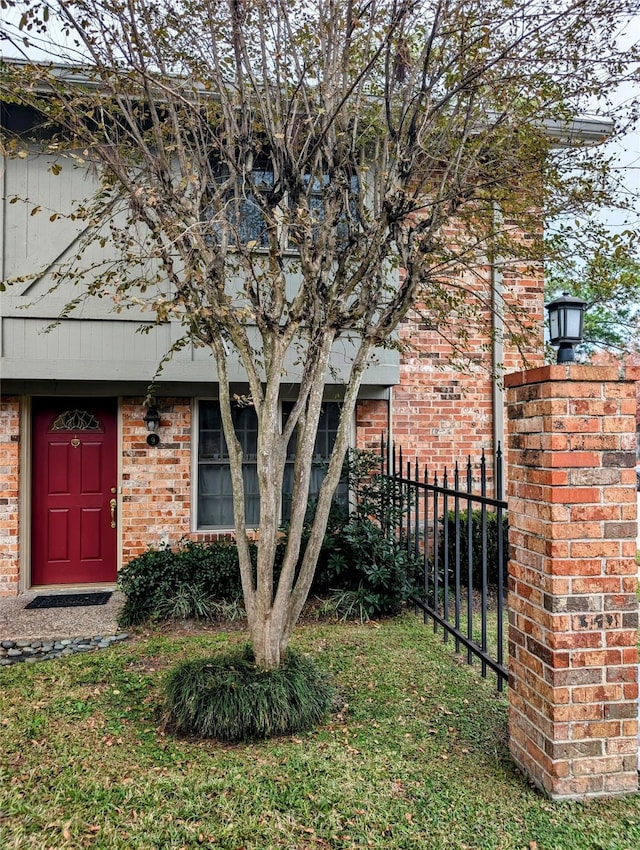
x=29 y=651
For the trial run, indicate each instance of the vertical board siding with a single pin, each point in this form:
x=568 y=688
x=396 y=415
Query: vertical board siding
x=31 y=241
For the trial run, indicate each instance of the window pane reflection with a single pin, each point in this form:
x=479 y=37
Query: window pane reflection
x=215 y=503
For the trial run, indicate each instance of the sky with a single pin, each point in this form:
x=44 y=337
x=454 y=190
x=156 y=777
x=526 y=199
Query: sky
x=626 y=148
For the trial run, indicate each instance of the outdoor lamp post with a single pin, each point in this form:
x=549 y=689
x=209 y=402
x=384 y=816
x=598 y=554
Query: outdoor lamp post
x=566 y=316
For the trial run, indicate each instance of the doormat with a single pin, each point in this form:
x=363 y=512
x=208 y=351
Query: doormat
x=70 y=600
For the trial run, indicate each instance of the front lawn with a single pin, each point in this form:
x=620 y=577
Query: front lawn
x=416 y=757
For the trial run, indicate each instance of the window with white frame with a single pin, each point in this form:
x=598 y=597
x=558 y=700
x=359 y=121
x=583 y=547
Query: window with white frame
x=215 y=505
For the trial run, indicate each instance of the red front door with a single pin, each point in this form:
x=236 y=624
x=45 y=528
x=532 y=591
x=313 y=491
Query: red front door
x=73 y=492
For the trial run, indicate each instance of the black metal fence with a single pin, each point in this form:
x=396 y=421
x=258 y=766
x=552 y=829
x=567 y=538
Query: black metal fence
x=459 y=536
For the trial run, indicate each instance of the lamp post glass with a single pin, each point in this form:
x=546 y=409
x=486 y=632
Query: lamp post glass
x=566 y=315
x=573 y=319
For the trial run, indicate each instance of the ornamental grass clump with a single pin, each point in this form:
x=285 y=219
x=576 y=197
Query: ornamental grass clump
x=228 y=698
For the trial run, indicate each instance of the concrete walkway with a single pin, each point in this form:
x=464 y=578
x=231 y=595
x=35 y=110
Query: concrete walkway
x=16 y=623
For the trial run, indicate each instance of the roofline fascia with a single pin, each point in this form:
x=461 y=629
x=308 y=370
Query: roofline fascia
x=581 y=130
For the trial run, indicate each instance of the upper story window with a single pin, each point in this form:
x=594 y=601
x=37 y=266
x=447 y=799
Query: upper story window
x=251 y=225
x=242 y=212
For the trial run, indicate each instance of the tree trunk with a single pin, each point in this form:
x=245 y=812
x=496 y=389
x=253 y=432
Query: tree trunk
x=267 y=639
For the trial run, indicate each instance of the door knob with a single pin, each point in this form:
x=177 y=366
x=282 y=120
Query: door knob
x=113 y=504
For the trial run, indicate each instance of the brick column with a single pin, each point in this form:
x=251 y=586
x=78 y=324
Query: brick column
x=573 y=621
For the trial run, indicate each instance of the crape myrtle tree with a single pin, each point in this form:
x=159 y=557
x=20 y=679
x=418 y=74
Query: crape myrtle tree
x=372 y=142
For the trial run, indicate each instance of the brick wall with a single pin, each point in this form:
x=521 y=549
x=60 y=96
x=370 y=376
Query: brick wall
x=9 y=498
x=572 y=579
x=633 y=360
x=155 y=505
x=372 y=422
x=441 y=414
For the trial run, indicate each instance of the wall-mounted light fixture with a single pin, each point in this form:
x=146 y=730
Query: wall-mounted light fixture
x=152 y=420
x=566 y=318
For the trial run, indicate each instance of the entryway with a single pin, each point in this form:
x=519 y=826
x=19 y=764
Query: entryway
x=74 y=491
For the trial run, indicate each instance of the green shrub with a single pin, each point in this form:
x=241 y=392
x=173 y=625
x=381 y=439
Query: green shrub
x=476 y=545
x=182 y=582
x=228 y=609
x=228 y=698
x=324 y=574
x=378 y=572
x=365 y=574
x=147 y=580
x=376 y=495
x=196 y=579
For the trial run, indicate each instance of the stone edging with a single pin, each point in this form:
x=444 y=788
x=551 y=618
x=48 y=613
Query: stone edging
x=18 y=651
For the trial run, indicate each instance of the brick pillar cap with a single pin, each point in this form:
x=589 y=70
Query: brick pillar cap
x=573 y=372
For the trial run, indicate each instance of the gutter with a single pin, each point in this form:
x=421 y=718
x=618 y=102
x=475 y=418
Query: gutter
x=497 y=353
x=581 y=130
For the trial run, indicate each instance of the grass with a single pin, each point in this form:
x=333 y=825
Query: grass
x=415 y=758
